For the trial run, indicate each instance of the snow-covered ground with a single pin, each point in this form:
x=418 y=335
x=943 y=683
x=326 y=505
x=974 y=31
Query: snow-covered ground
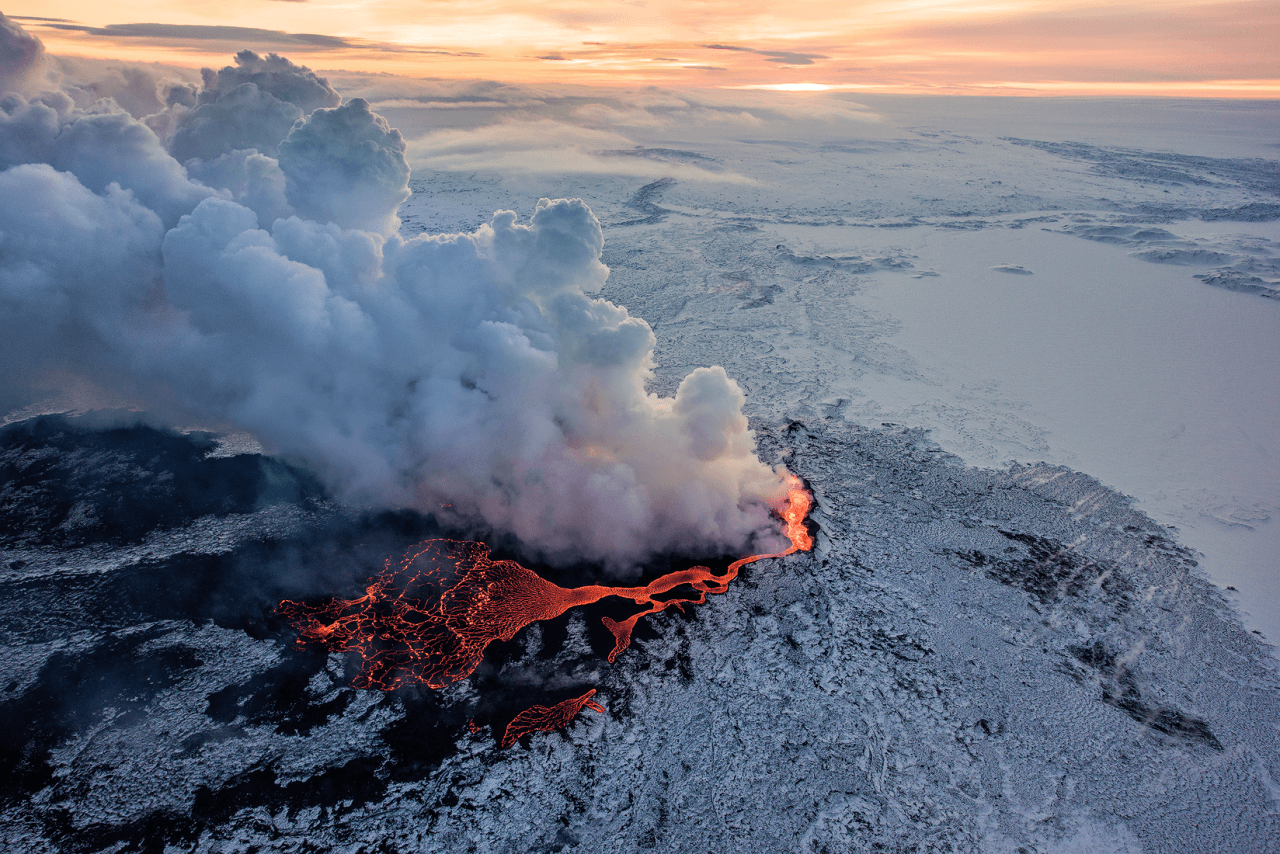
x=1086 y=283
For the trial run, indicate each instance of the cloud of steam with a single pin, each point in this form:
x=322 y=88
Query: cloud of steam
x=250 y=273
x=253 y=104
x=346 y=166
x=20 y=54
x=135 y=90
x=100 y=146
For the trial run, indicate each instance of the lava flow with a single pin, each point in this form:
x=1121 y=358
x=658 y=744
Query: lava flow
x=546 y=719
x=429 y=619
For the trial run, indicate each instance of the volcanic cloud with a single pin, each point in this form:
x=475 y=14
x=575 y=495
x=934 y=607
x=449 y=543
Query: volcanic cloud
x=234 y=259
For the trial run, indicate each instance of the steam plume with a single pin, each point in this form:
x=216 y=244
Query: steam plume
x=250 y=273
x=20 y=53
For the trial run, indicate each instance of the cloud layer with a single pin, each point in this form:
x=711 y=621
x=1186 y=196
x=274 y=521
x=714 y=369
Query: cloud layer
x=258 y=279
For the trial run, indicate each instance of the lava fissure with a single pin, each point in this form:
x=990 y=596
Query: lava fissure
x=429 y=618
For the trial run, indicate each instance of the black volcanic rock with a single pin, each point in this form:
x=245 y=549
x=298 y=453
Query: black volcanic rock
x=63 y=484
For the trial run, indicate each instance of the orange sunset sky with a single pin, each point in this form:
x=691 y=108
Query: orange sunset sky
x=1217 y=48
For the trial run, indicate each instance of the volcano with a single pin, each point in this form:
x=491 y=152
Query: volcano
x=429 y=618
x=951 y=619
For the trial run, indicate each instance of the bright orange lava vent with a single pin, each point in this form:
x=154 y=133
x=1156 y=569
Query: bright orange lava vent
x=429 y=618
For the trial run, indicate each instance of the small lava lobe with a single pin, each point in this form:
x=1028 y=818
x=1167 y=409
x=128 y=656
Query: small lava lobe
x=548 y=718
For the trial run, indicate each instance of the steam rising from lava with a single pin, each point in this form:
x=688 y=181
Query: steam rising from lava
x=429 y=619
x=234 y=259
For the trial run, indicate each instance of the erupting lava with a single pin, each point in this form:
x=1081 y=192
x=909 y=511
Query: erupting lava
x=429 y=619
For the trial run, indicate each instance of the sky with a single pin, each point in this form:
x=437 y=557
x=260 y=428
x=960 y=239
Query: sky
x=1198 y=48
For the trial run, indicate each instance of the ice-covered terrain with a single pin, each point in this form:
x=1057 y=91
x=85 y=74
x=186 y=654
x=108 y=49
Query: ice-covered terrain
x=979 y=655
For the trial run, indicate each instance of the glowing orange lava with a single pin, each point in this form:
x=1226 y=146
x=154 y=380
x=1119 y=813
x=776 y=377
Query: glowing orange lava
x=547 y=719
x=429 y=619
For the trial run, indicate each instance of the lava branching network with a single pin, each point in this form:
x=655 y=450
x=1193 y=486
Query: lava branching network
x=429 y=618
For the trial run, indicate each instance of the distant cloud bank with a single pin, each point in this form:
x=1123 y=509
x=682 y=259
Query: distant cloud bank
x=1199 y=48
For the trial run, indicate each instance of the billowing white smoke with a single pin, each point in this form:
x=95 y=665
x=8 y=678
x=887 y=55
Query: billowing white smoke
x=262 y=283
x=20 y=55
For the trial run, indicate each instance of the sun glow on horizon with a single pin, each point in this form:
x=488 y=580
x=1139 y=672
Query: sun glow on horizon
x=1198 y=48
x=797 y=87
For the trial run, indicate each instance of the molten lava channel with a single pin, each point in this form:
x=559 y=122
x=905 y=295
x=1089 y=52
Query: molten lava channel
x=429 y=618
x=546 y=718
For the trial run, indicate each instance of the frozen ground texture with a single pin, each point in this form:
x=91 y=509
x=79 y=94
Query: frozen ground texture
x=979 y=656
